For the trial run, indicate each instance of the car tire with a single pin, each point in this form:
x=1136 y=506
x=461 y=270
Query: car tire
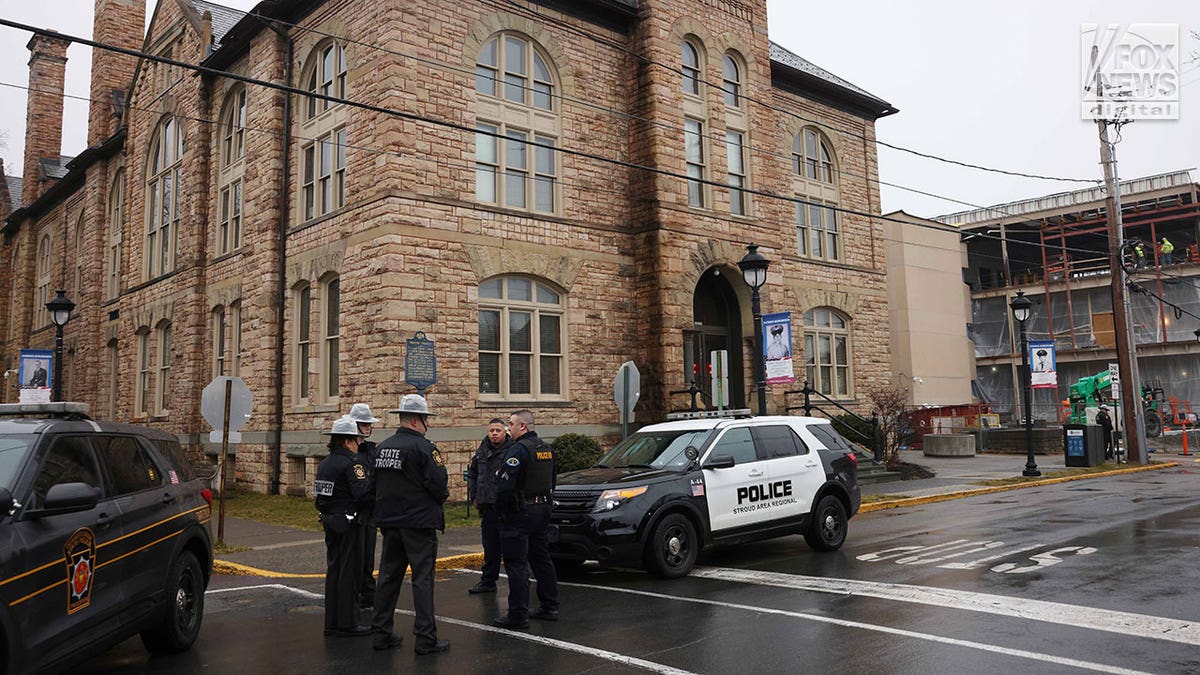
x=184 y=609
x=673 y=547
x=568 y=568
x=827 y=529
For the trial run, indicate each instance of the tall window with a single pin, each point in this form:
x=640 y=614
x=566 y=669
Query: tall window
x=512 y=63
x=322 y=167
x=220 y=328
x=735 y=145
x=731 y=75
x=303 y=319
x=330 y=336
x=42 y=290
x=162 y=393
x=235 y=338
x=517 y=167
x=817 y=231
x=521 y=340
x=233 y=127
x=80 y=257
x=690 y=67
x=811 y=157
x=112 y=391
x=693 y=141
x=116 y=216
x=232 y=135
x=142 y=393
x=827 y=351
x=162 y=198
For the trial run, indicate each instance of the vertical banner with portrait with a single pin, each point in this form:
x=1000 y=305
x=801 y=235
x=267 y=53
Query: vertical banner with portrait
x=1043 y=369
x=777 y=347
x=35 y=376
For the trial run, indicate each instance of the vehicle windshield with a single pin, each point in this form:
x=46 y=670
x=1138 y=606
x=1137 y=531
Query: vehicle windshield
x=655 y=449
x=14 y=448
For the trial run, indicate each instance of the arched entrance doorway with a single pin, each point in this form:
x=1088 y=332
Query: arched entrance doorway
x=718 y=325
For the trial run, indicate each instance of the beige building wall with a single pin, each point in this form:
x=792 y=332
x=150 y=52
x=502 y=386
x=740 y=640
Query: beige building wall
x=932 y=355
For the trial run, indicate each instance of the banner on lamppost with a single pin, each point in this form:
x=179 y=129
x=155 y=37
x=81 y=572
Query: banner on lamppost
x=777 y=347
x=1043 y=367
x=35 y=376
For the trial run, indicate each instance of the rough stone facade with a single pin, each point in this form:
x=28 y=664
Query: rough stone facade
x=411 y=245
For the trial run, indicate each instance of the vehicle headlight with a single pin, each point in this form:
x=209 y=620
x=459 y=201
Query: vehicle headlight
x=611 y=499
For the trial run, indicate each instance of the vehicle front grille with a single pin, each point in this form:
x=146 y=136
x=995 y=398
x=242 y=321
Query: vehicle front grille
x=574 y=502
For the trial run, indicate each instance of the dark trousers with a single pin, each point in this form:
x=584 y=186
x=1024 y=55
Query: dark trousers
x=366 y=589
x=1108 y=443
x=525 y=546
x=489 y=529
x=343 y=560
x=403 y=547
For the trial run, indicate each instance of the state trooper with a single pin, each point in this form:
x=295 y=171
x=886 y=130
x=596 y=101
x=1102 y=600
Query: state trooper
x=524 y=488
x=481 y=491
x=341 y=490
x=361 y=414
x=411 y=486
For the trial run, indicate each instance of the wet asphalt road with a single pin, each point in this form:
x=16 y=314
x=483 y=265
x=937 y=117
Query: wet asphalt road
x=1091 y=576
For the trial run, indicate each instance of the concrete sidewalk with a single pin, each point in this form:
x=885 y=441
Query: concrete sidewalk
x=277 y=551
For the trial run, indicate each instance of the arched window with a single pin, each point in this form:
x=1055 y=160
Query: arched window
x=731 y=75
x=116 y=221
x=302 y=321
x=163 y=178
x=232 y=133
x=162 y=396
x=233 y=127
x=691 y=68
x=811 y=157
x=513 y=61
x=827 y=351
x=516 y=164
x=330 y=336
x=42 y=289
x=80 y=257
x=521 y=340
x=322 y=167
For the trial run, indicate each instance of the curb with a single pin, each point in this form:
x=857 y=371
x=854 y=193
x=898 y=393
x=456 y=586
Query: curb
x=476 y=559
x=931 y=499
x=231 y=568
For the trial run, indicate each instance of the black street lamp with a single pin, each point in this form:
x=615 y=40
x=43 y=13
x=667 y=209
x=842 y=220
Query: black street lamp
x=60 y=313
x=754 y=271
x=1021 y=309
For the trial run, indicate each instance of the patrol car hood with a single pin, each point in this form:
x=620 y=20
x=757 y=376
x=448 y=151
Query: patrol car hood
x=606 y=475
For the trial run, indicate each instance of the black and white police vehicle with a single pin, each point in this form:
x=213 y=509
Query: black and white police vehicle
x=104 y=534
x=672 y=489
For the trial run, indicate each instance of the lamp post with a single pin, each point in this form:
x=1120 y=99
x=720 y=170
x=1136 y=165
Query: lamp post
x=1021 y=309
x=754 y=272
x=60 y=313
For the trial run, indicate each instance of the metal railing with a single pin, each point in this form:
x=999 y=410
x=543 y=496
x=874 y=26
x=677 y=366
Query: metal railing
x=874 y=441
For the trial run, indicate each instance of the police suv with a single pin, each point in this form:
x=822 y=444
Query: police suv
x=104 y=534
x=671 y=489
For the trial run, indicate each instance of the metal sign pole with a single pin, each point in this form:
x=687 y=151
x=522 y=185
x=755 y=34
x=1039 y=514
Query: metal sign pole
x=224 y=461
x=625 y=403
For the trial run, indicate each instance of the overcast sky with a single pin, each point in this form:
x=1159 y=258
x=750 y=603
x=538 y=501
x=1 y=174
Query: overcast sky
x=992 y=83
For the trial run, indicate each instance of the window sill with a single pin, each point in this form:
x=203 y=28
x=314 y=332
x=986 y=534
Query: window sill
x=524 y=403
x=315 y=408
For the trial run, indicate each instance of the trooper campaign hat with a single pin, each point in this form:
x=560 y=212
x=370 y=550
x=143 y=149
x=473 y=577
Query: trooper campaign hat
x=414 y=404
x=1103 y=407
x=361 y=413
x=776 y=330
x=343 y=426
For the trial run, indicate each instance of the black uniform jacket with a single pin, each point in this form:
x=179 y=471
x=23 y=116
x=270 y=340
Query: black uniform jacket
x=527 y=471
x=410 y=483
x=341 y=485
x=367 y=452
x=481 y=473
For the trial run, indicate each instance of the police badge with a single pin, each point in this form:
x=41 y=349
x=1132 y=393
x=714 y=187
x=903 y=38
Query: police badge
x=79 y=553
x=437 y=457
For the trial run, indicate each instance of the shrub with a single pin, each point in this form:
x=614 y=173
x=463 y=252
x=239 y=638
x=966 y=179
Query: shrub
x=575 y=451
x=855 y=430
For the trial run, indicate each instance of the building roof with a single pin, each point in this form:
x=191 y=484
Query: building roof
x=793 y=60
x=1061 y=200
x=14 y=184
x=53 y=167
x=223 y=18
x=821 y=81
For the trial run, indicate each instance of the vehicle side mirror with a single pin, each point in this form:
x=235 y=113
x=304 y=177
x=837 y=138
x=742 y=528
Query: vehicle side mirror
x=719 y=462
x=691 y=453
x=67 y=498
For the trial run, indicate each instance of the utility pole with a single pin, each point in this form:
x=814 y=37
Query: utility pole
x=1133 y=429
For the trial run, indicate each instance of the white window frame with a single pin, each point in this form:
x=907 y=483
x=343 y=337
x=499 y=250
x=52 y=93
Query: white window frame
x=42 y=289
x=321 y=171
x=497 y=169
x=739 y=181
x=531 y=82
x=731 y=81
x=142 y=390
x=112 y=379
x=504 y=308
x=302 y=340
x=163 y=365
x=822 y=322
x=331 y=338
x=233 y=128
x=326 y=75
x=691 y=68
x=164 y=177
x=235 y=338
x=815 y=163
x=817 y=231
x=220 y=328
x=696 y=159
x=323 y=189
x=116 y=215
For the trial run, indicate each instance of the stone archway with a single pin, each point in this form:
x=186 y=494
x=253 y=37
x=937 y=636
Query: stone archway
x=717 y=318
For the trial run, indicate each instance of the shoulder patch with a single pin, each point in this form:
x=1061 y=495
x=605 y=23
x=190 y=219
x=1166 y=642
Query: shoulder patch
x=359 y=472
x=512 y=461
x=437 y=457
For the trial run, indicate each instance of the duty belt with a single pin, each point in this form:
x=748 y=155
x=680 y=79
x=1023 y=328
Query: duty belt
x=539 y=499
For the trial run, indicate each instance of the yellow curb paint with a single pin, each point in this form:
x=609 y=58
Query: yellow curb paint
x=919 y=501
x=234 y=569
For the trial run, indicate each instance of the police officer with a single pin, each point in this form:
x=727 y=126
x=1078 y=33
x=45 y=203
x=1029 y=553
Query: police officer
x=340 y=490
x=481 y=491
x=361 y=414
x=523 y=490
x=410 y=487
x=1106 y=427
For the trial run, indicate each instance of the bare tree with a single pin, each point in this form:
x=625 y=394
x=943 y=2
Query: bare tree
x=891 y=402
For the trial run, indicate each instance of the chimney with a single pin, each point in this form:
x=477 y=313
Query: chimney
x=119 y=23
x=44 y=111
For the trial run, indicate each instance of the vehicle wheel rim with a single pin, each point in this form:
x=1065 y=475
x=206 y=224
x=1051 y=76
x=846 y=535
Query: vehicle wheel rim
x=185 y=602
x=831 y=525
x=675 y=546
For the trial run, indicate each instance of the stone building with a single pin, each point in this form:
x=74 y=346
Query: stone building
x=544 y=189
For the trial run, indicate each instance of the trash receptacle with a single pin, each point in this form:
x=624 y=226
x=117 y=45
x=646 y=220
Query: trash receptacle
x=1083 y=444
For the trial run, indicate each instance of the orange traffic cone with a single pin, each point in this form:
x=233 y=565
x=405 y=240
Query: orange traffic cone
x=1185 y=448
